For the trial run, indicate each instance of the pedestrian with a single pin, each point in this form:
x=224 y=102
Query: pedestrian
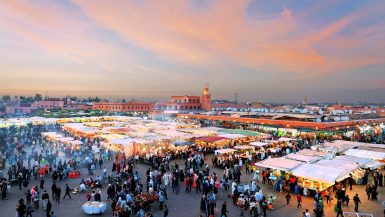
x=307 y=213
x=339 y=208
x=224 y=209
x=67 y=191
x=161 y=200
x=49 y=208
x=58 y=193
x=53 y=189
x=299 y=200
x=347 y=199
x=288 y=196
x=356 y=201
x=165 y=212
x=44 y=198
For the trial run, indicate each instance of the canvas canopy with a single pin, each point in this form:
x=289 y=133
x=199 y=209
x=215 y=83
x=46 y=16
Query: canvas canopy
x=303 y=158
x=366 y=154
x=224 y=151
x=259 y=144
x=285 y=139
x=309 y=152
x=282 y=164
x=244 y=147
x=318 y=173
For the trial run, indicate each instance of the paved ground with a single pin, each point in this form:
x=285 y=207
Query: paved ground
x=186 y=205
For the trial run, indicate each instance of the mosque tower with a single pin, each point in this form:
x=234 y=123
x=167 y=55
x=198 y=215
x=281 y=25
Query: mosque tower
x=206 y=98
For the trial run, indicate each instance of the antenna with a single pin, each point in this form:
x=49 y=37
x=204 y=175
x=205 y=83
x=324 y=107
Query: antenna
x=236 y=98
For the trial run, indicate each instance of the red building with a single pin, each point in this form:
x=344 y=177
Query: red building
x=123 y=106
x=49 y=104
x=187 y=103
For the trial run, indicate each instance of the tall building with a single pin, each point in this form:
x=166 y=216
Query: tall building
x=304 y=100
x=206 y=98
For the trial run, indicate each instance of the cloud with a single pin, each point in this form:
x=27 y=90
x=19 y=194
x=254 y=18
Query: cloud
x=175 y=31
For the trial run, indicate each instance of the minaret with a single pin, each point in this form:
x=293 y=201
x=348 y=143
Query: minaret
x=206 y=98
x=304 y=100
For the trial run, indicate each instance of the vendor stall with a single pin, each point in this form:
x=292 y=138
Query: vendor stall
x=225 y=151
x=366 y=154
x=303 y=158
x=93 y=207
x=317 y=177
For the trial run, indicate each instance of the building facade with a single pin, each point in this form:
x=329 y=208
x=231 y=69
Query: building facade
x=50 y=104
x=187 y=103
x=123 y=106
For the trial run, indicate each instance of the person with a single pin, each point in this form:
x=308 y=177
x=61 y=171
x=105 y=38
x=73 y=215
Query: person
x=339 y=208
x=29 y=210
x=347 y=199
x=49 y=208
x=299 y=200
x=21 y=208
x=288 y=196
x=53 y=189
x=356 y=201
x=307 y=213
x=67 y=191
x=351 y=180
x=203 y=205
x=161 y=200
x=44 y=198
x=57 y=194
x=53 y=214
x=224 y=209
x=165 y=212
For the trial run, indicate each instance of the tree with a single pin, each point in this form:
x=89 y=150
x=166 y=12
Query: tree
x=38 y=97
x=6 y=98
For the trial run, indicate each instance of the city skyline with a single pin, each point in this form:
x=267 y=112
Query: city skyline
x=276 y=51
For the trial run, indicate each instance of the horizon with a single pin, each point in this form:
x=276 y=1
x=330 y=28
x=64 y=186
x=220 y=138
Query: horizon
x=275 y=51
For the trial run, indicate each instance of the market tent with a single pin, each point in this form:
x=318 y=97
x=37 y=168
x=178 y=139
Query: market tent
x=341 y=164
x=224 y=151
x=244 y=147
x=285 y=139
x=279 y=164
x=303 y=158
x=181 y=143
x=366 y=154
x=65 y=139
x=318 y=173
x=211 y=139
x=259 y=144
x=75 y=142
x=358 y=160
x=232 y=136
x=238 y=131
x=309 y=152
x=337 y=146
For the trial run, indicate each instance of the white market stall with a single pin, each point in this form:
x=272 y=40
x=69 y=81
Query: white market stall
x=259 y=144
x=278 y=165
x=317 y=177
x=303 y=158
x=225 y=151
x=366 y=154
x=310 y=152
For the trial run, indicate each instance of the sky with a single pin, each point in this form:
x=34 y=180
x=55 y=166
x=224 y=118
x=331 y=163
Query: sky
x=268 y=51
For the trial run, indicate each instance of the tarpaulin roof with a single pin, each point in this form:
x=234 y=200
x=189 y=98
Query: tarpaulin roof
x=303 y=158
x=225 y=151
x=279 y=164
x=210 y=139
x=318 y=173
x=242 y=132
x=366 y=154
x=259 y=144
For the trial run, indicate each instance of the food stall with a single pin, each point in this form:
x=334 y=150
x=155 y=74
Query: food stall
x=303 y=158
x=310 y=152
x=279 y=166
x=318 y=177
x=94 y=207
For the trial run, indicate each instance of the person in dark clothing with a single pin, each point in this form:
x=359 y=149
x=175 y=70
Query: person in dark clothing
x=356 y=201
x=351 y=181
x=21 y=208
x=347 y=199
x=165 y=212
x=288 y=196
x=49 y=208
x=380 y=179
x=58 y=193
x=67 y=191
x=339 y=209
x=224 y=210
x=203 y=204
x=53 y=189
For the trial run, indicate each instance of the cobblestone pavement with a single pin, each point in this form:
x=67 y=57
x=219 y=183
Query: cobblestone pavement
x=187 y=205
